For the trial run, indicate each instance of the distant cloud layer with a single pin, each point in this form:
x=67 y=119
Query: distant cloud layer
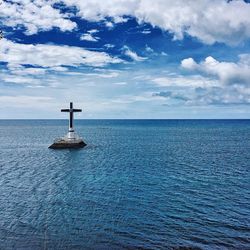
x=214 y=96
x=209 y=21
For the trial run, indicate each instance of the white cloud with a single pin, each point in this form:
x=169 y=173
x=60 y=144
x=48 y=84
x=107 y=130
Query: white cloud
x=104 y=75
x=209 y=21
x=93 y=31
x=109 y=46
x=205 y=97
x=54 y=57
x=212 y=83
x=19 y=79
x=184 y=81
x=34 y=16
x=89 y=37
x=120 y=83
x=24 y=100
x=146 y=32
x=96 y=10
x=127 y=99
x=109 y=25
x=164 y=53
x=226 y=72
x=20 y=70
x=128 y=52
x=149 y=49
x=188 y=63
x=120 y=19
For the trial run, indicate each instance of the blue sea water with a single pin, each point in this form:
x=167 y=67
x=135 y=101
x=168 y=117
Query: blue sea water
x=138 y=184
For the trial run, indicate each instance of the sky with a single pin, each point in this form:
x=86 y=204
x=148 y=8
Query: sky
x=125 y=59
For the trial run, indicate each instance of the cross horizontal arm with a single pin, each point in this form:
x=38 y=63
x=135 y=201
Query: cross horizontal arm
x=65 y=110
x=77 y=110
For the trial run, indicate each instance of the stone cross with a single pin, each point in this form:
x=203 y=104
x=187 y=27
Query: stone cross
x=71 y=111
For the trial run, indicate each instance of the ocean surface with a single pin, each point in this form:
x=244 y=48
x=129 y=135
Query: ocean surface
x=138 y=184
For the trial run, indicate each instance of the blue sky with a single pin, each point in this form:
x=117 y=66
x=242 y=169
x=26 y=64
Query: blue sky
x=125 y=59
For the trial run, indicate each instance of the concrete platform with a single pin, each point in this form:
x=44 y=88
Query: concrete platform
x=66 y=143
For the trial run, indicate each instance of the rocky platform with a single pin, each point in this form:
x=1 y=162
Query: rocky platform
x=67 y=143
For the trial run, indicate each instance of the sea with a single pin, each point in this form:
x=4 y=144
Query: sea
x=138 y=184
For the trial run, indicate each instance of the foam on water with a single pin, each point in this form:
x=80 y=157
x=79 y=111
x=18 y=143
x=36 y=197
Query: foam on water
x=138 y=184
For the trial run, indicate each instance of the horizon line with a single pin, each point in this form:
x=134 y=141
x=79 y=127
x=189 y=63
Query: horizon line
x=4 y=119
